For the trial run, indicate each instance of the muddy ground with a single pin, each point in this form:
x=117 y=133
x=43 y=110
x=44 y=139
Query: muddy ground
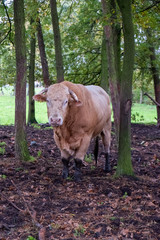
x=36 y=203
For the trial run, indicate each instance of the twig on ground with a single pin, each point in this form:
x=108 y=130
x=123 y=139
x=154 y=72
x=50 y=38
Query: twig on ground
x=19 y=209
x=32 y=213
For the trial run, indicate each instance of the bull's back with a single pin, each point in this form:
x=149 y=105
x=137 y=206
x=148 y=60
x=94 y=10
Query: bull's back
x=101 y=105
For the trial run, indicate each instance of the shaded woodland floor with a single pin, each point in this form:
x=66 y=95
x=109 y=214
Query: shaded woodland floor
x=35 y=200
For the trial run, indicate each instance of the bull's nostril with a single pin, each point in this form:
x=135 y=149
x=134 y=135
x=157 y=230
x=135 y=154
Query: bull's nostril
x=55 y=121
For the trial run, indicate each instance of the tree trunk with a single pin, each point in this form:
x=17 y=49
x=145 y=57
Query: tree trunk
x=124 y=166
x=104 y=65
x=155 y=73
x=31 y=113
x=141 y=97
x=57 y=41
x=44 y=62
x=107 y=6
x=21 y=150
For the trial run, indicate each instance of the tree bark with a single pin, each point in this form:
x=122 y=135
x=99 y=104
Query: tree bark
x=124 y=166
x=155 y=73
x=31 y=113
x=104 y=65
x=44 y=62
x=21 y=149
x=113 y=74
x=57 y=41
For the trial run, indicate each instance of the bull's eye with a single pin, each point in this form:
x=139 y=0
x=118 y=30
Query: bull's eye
x=65 y=102
x=48 y=102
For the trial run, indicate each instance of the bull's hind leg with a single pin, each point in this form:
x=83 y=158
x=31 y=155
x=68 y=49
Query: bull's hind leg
x=96 y=149
x=106 y=139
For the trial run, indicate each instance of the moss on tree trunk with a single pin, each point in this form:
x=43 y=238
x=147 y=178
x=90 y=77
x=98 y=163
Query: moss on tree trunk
x=124 y=166
x=21 y=148
x=57 y=41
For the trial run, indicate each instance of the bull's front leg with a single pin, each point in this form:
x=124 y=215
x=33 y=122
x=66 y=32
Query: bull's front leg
x=79 y=156
x=65 y=172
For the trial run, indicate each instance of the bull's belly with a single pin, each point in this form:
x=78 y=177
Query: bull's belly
x=99 y=128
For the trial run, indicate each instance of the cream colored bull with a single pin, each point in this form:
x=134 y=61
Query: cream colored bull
x=77 y=113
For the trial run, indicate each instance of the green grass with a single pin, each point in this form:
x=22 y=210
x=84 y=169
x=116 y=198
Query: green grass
x=7 y=109
x=148 y=113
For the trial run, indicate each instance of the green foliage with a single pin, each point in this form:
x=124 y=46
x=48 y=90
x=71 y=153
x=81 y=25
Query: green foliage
x=36 y=126
x=2 y=144
x=32 y=159
x=30 y=238
x=79 y=231
x=19 y=169
x=147 y=111
x=48 y=128
x=125 y=195
x=2 y=150
x=146 y=16
x=69 y=178
x=39 y=153
x=81 y=27
x=88 y=158
x=3 y=176
x=93 y=167
x=136 y=117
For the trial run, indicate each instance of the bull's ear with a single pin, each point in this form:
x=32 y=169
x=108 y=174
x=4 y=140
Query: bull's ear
x=39 y=97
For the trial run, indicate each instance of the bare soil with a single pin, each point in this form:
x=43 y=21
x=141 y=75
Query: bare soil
x=35 y=200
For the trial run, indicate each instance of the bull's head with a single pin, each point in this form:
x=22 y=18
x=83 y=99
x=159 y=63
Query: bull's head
x=58 y=98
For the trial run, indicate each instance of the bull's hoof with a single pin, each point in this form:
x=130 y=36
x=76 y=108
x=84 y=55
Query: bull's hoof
x=107 y=169
x=77 y=176
x=65 y=174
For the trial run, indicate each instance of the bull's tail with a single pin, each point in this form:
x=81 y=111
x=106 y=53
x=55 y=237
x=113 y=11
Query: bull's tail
x=96 y=149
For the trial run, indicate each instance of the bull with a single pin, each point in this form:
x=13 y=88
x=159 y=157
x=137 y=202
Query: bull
x=77 y=114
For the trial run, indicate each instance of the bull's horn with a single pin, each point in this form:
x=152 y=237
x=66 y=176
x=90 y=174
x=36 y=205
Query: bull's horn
x=44 y=90
x=74 y=96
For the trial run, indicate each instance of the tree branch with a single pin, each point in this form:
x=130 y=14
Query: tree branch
x=155 y=102
x=151 y=6
x=10 y=25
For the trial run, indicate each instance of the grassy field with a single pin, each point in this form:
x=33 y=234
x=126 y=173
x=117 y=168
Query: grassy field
x=141 y=113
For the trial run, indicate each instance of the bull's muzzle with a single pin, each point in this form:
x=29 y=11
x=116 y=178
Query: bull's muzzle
x=55 y=121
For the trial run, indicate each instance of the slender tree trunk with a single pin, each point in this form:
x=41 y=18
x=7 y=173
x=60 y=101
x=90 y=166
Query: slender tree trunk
x=44 y=62
x=21 y=149
x=31 y=113
x=141 y=97
x=107 y=6
x=104 y=65
x=57 y=41
x=124 y=166
x=155 y=73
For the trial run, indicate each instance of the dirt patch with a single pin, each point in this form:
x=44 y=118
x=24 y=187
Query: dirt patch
x=98 y=207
